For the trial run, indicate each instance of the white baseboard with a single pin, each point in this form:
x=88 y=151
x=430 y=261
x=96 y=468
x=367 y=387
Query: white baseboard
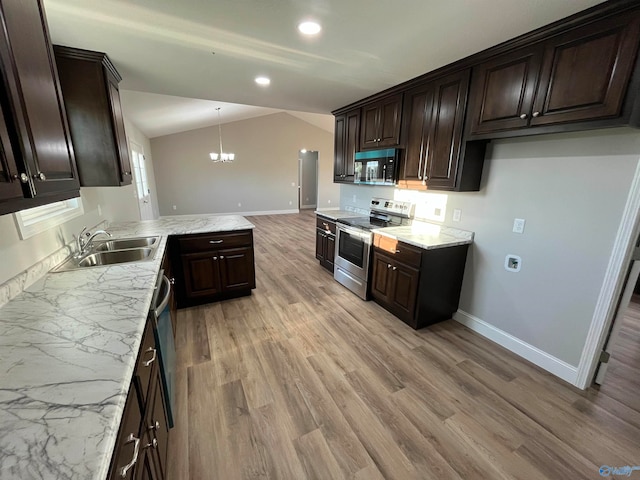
x=536 y=356
x=327 y=209
x=249 y=214
x=308 y=207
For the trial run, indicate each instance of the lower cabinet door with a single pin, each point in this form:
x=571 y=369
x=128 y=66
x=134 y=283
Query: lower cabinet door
x=381 y=282
x=321 y=244
x=236 y=268
x=404 y=290
x=156 y=423
x=128 y=443
x=147 y=468
x=201 y=274
x=331 y=251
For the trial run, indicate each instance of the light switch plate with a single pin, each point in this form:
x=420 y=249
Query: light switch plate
x=457 y=214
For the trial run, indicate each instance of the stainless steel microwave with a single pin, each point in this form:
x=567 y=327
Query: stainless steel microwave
x=376 y=167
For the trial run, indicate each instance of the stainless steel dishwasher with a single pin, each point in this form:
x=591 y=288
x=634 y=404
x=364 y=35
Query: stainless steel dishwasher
x=163 y=331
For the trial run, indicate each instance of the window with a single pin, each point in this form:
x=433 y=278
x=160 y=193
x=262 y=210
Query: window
x=38 y=219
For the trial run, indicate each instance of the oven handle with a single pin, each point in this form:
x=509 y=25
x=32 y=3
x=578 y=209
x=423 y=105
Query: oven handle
x=366 y=236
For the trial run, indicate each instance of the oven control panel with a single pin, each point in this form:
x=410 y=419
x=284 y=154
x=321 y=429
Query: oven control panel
x=393 y=207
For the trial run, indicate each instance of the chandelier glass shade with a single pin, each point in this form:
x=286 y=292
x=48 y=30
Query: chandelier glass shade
x=221 y=156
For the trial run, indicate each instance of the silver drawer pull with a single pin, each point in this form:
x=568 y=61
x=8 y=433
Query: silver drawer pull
x=152 y=359
x=388 y=265
x=136 y=451
x=215 y=258
x=394 y=268
x=172 y=281
x=326 y=225
x=216 y=241
x=155 y=426
x=221 y=257
x=397 y=251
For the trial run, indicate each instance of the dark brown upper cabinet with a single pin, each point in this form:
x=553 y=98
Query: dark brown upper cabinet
x=90 y=89
x=37 y=161
x=380 y=125
x=436 y=155
x=581 y=75
x=346 y=145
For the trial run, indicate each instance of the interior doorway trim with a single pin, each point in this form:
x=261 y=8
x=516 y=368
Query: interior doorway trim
x=612 y=286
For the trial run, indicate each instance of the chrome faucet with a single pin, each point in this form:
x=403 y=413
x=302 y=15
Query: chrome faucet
x=85 y=243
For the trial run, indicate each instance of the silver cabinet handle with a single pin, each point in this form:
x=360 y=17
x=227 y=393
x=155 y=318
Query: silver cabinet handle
x=388 y=265
x=397 y=251
x=153 y=444
x=24 y=178
x=155 y=426
x=535 y=114
x=326 y=225
x=172 y=281
x=221 y=257
x=215 y=258
x=216 y=241
x=523 y=116
x=40 y=176
x=394 y=268
x=153 y=358
x=136 y=451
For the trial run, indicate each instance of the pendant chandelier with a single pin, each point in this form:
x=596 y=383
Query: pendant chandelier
x=221 y=156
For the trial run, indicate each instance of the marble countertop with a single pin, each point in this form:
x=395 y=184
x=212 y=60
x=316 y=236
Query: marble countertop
x=428 y=235
x=68 y=346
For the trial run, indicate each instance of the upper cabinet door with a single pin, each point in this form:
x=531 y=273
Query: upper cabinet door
x=502 y=91
x=586 y=71
x=381 y=123
x=120 y=135
x=445 y=132
x=390 y=112
x=418 y=105
x=369 y=126
x=352 y=137
x=36 y=99
x=10 y=185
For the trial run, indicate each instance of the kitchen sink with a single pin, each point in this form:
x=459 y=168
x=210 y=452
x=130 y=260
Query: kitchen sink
x=115 y=257
x=113 y=252
x=124 y=243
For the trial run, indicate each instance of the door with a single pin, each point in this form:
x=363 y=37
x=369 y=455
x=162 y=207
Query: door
x=418 y=113
x=119 y=132
x=330 y=251
x=389 y=121
x=143 y=192
x=442 y=150
x=201 y=274
x=617 y=324
x=381 y=282
x=502 y=91
x=10 y=186
x=369 y=126
x=307 y=179
x=404 y=290
x=236 y=268
x=586 y=71
x=339 y=149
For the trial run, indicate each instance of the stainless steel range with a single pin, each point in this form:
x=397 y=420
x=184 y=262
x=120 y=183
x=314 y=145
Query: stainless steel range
x=353 y=241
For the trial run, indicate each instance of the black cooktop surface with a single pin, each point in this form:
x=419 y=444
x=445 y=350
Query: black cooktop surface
x=366 y=223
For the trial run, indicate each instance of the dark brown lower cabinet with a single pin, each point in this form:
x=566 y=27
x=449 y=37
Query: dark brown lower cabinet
x=420 y=287
x=212 y=267
x=325 y=241
x=141 y=446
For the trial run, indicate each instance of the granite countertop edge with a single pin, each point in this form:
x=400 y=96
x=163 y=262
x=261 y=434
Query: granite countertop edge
x=68 y=347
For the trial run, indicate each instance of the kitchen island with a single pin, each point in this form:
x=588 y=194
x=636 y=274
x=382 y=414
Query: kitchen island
x=68 y=347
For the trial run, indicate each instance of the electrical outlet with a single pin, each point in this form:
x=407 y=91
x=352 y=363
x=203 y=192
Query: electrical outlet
x=457 y=214
x=328 y=201
x=293 y=184
x=175 y=208
x=355 y=199
x=518 y=225
x=239 y=204
x=99 y=210
x=290 y=202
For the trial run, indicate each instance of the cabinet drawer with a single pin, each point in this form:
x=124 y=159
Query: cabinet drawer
x=326 y=224
x=213 y=241
x=129 y=432
x=399 y=251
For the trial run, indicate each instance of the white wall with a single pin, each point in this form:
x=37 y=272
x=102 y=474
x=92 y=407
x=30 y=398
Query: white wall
x=571 y=190
x=116 y=204
x=264 y=176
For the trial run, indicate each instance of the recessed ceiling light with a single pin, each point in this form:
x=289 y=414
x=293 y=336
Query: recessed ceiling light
x=264 y=81
x=309 y=28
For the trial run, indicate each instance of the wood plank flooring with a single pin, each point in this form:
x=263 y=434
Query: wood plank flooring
x=303 y=380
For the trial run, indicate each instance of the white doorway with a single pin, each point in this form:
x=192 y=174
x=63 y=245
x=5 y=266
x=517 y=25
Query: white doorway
x=141 y=179
x=307 y=179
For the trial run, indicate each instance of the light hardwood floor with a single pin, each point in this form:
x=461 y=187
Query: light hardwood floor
x=304 y=380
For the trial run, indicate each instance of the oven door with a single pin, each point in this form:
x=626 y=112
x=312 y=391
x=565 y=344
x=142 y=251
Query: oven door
x=352 y=250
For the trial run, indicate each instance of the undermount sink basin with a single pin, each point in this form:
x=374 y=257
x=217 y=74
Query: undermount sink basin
x=115 y=257
x=124 y=243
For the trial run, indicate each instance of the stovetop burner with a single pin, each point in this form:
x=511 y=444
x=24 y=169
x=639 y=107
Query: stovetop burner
x=366 y=223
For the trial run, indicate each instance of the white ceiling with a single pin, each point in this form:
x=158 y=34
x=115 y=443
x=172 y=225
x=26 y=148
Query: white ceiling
x=165 y=46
